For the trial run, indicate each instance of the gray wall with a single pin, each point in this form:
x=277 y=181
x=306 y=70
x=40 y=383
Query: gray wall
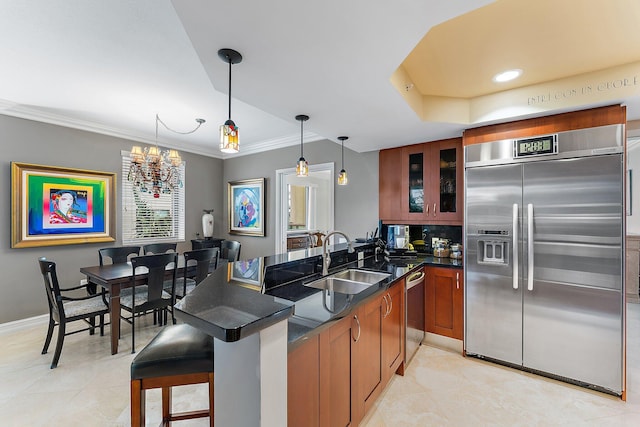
x=33 y=142
x=356 y=204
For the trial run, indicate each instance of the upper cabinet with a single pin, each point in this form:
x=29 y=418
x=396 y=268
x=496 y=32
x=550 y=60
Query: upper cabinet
x=390 y=183
x=422 y=183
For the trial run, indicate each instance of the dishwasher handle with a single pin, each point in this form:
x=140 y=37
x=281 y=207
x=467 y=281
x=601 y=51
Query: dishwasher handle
x=415 y=279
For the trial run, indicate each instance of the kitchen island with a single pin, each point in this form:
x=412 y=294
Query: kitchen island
x=234 y=297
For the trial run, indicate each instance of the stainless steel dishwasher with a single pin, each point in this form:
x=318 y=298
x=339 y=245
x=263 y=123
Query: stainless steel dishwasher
x=414 y=314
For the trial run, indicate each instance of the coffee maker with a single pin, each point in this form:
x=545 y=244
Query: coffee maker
x=398 y=237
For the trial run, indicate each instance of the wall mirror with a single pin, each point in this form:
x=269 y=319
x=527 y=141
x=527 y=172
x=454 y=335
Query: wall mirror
x=303 y=205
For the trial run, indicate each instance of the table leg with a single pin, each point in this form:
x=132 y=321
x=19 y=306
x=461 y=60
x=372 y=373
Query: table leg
x=114 y=316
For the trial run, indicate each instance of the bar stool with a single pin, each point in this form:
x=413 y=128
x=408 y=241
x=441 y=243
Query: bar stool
x=178 y=355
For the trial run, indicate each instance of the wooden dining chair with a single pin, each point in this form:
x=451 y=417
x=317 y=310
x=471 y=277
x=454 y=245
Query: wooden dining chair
x=204 y=261
x=158 y=248
x=151 y=295
x=117 y=254
x=64 y=309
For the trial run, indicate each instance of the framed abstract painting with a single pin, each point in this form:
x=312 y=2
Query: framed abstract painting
x=249 y=272
x=246 y=207
x=60 y=206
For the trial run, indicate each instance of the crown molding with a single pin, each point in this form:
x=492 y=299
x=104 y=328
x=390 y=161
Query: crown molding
x=274 y=143
x=9 y=108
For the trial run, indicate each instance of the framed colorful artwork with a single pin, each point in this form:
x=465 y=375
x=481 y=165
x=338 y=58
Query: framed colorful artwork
x=246 y=207
x=60 y=206
x=249 y=273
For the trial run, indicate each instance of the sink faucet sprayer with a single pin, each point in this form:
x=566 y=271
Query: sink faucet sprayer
x=326 y=259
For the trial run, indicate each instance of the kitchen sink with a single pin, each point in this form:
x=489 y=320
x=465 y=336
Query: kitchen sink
x=331 y=283
x=363 y=276
x=350 y=281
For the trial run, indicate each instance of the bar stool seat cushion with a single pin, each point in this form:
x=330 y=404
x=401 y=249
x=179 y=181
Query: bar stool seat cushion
x=176 y=350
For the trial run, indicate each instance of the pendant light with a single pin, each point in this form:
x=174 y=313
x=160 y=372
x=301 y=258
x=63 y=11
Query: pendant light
x=229 y=135
x=342 y=178
x=302 y=167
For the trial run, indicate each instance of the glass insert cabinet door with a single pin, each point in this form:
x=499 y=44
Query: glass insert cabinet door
x=431 y=180
x=416 y=183
x=447 y=168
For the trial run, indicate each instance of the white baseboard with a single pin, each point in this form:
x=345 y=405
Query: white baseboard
x=18 y=325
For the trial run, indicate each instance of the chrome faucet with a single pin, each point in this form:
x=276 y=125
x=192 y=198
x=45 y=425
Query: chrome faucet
x=326 y=259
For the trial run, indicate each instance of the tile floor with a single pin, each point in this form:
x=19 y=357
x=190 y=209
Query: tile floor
x=90 y=387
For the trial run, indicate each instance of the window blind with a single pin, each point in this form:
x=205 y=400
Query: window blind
x=146 y=219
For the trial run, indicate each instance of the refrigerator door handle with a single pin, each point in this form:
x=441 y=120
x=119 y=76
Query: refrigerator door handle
x=516 y=274
x=530 y=246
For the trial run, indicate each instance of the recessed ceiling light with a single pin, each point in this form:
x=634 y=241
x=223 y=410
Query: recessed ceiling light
x=506 y=76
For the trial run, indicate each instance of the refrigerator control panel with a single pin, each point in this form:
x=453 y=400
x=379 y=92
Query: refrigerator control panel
x=538 y=146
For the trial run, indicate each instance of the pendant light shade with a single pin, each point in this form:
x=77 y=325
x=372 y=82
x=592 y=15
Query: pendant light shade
x=302 y=167
x=229 y=135
x=342 y=178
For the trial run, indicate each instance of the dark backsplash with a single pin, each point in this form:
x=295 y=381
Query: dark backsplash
x=426 y=232
x=278 y=273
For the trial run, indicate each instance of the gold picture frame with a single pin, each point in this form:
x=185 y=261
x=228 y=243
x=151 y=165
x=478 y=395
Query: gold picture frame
x=246 y=207
x=53 y=205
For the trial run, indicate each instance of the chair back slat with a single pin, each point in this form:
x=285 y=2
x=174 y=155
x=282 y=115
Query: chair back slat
x=202 y=258
x=118 y=254
x=158 y=248
x=52 y=287
x=231 y=250
x=156 y=266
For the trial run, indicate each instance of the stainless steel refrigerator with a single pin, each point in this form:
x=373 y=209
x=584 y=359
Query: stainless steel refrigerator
x=544 y=231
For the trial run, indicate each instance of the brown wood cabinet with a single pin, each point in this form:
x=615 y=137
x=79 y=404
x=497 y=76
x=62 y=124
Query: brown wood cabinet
x=444 y=305
x=390 y=184
x=298 y=242
x=303 y=384
x=368 y=356
x=393 y=332
x=335 y=378
x=336 y=364
x=422 y=183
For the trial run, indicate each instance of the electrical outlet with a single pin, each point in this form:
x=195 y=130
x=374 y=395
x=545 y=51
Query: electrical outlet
x=83 y=282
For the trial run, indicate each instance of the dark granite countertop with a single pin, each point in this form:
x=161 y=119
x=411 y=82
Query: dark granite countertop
x=227 y=311
x=311 y=314
x=234 y=302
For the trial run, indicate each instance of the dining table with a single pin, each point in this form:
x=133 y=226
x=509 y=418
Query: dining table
x=114 y=278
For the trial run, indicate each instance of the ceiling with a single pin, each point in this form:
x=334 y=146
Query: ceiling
x=111 y=66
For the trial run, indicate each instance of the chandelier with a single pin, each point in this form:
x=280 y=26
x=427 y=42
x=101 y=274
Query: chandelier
x=157 y=171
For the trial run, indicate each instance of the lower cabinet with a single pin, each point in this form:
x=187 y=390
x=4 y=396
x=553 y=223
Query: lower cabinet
x=337 y=389
x=335 y=377
x=393 y=331
x=367 y=351
x=444 y=305
x=303 y=384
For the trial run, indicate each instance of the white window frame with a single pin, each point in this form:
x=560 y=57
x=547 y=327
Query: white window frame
x=173 y=202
